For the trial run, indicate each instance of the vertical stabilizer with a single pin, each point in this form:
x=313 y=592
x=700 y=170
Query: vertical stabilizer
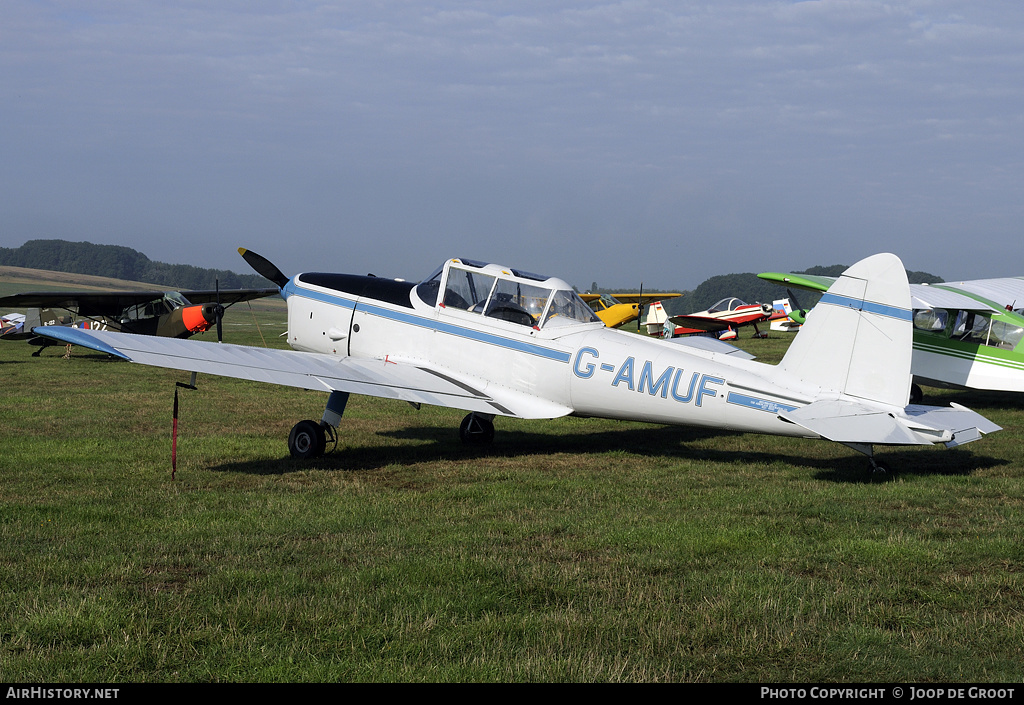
x=859 y=338
x=656 y=318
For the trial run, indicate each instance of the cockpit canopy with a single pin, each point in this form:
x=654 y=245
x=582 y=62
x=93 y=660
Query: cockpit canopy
x=156 y=307
x=506 y=294
x=727 y=304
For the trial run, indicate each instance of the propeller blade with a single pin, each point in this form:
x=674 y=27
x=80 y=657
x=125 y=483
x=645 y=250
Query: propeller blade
x=639 y=307
x=797 y=308
x=220 y=313
x=263 y=267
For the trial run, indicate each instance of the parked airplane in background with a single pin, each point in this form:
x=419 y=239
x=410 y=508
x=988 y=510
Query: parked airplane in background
x=724 y=318
x=11 y=324
x=172 y=314
x=498 y=341
x=618 y=309
x=967 y=335
x=784 y=320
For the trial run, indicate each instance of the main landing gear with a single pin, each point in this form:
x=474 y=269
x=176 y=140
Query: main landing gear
x=477 y=429
x=308 y=439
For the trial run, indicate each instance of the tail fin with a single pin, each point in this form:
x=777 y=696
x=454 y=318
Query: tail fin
x=33 y=318
x=656 y=318
x=858 y=340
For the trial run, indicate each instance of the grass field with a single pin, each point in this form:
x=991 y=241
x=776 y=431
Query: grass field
x=570 y=550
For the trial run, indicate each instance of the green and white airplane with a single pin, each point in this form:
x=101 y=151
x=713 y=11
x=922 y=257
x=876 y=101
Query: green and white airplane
x=967 y=335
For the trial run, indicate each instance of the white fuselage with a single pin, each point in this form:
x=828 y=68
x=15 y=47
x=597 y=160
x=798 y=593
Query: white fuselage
x=594 y=370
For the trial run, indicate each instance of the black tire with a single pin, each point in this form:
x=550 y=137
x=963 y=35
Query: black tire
x=476 y=430
x=307 y=440
x=880 y=472
x=916 y=395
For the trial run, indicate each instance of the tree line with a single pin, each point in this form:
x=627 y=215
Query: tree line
x=748 y=287
x=120 y=262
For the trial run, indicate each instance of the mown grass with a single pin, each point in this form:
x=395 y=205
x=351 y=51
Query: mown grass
x=569 y=550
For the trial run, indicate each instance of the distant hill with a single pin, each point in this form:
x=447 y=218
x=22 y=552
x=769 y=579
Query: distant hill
x=119 y=262
x=748 y=287
x=753 y=290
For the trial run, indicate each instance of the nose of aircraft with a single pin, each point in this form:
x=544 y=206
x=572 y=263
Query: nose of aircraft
x=198 y=319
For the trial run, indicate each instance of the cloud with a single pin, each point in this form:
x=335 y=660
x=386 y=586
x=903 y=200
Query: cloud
x=386 y=136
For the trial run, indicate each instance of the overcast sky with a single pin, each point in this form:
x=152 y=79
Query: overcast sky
x=616 y=142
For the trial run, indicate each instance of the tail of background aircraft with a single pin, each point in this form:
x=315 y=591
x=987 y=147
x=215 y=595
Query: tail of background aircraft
x=656 y=318
x=859 y=338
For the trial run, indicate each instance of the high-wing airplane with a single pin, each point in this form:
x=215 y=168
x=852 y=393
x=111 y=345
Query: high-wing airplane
x=498 y=341
x=172 y=314
x=618 y=309
x=724 y=318
x=967 y=335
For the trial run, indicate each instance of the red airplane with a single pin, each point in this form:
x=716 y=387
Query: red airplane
x=723 y=318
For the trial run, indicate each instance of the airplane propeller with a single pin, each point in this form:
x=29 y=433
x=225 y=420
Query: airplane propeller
x=219 y=313
x=797 y=308
x=639 y=307
x=263 y=267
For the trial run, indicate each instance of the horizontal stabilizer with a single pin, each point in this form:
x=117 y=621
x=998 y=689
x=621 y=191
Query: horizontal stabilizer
x=853 y=423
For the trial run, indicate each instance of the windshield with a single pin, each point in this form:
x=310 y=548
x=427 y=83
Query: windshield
x=930 y=319
x=568 y=307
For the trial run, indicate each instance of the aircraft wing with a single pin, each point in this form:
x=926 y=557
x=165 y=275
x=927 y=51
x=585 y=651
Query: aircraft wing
x=937 y=296
x=411 y=382
x=112 y=303
x=807 y=282
x=713 y=325
x=227 y=296
x=921 y=295
x=641 y=298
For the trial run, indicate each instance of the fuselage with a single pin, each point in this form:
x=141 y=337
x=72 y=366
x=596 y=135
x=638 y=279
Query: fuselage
x=576 y=362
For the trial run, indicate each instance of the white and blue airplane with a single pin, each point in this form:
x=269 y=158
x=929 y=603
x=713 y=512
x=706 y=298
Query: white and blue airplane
x=496 y=341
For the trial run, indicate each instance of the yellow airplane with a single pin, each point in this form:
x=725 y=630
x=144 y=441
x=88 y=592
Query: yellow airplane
x=617 y=309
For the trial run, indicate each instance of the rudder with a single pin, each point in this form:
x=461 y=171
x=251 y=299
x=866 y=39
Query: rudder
x=858 y=339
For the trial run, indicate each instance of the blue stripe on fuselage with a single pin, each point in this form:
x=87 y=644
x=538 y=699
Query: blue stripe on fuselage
x=760 y=404
x=428 y=323
x=904 y=314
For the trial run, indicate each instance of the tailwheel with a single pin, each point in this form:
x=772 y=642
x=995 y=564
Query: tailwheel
x=879 y=472
x=307 y=440
x=476 y=429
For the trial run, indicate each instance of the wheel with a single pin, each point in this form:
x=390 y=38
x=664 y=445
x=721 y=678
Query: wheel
x=307 y=440
x=916 y=395
x=880 y=472
x=476 y=429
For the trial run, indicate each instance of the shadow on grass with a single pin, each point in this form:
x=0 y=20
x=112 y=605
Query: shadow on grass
x=424 y=444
